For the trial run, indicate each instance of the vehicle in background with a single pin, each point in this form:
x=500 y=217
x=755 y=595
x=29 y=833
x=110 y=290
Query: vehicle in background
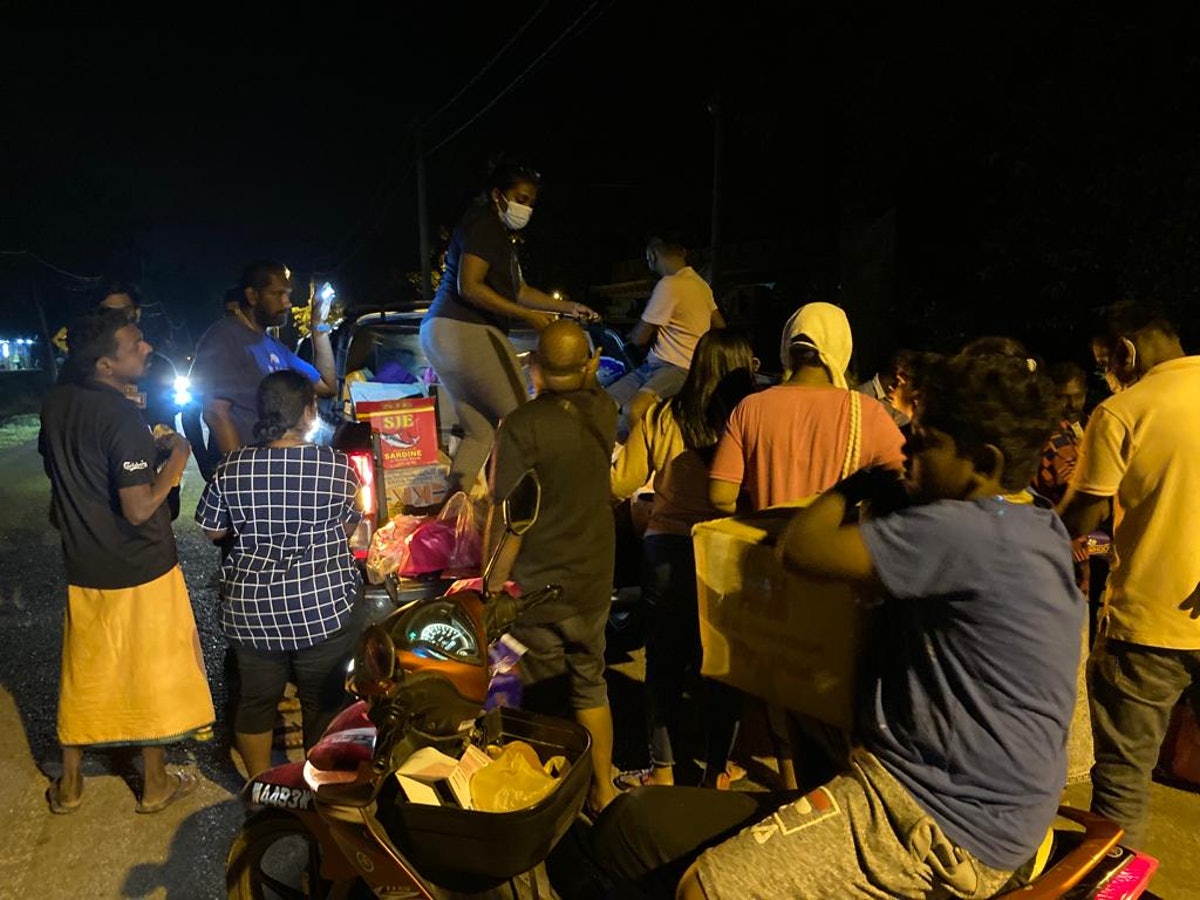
x=382 y=345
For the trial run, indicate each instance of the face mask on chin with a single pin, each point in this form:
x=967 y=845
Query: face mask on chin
x=516 y=215
x=1113 y=380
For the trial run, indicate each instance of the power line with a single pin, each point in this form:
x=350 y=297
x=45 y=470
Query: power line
x=387 y=188
x=533 y=65
x=491 y=62
x=578 y=24
x=89 y=279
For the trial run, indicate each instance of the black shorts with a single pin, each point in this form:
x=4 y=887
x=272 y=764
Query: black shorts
x=571 y=649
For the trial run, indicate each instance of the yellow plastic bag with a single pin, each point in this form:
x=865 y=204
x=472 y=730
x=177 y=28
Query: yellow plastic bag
x=516 y=779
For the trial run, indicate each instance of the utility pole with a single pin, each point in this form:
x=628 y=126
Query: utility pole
x=716 y=109
x=423 y=223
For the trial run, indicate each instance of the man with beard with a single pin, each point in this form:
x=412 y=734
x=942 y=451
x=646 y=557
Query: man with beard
x=238 y=351
x=132 y=673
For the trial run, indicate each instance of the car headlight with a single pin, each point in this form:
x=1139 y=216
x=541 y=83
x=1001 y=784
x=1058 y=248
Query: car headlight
x=183 y=390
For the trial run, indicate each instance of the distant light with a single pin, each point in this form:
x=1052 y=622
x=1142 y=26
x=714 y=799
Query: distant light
x=557 y=295
x=183 y=398
x=182 y=383
x=4 y=349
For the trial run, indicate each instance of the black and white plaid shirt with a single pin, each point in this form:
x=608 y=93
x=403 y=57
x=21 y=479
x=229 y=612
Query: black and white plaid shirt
x=290 y=580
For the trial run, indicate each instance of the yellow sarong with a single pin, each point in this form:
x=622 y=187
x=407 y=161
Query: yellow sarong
x=132 y=670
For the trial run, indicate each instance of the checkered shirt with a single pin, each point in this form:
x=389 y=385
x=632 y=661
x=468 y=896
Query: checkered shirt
x=1057 y=464
x=290 y=580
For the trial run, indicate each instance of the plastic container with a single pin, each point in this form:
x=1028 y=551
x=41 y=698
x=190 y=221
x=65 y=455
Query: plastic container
x=464 y=850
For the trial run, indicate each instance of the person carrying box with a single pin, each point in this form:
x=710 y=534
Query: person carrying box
x=959 y=754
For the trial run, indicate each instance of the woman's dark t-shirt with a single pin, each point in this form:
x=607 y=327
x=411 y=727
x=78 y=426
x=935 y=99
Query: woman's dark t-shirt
x=482 y=234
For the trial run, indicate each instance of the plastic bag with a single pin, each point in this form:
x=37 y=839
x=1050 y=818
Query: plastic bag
x=462 y=513
x=505 y=687
x=389 y=547
x=516 y=779
x=430 y=547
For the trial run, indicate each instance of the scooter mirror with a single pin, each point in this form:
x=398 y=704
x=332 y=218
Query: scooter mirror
x=374 y=663
x=521 y=506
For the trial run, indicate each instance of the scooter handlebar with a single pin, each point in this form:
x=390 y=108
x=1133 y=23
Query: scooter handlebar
x=503 y=610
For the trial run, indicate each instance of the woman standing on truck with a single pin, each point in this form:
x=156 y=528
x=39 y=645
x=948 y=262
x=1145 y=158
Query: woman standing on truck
x=290 y=583
x=481 y=295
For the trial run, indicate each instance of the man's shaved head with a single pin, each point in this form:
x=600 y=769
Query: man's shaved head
x=563 y=356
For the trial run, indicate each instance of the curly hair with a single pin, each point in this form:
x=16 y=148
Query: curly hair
x=91 y=337
x=992 y=399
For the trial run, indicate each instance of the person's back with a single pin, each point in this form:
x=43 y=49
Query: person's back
x=791 y=441
x=286 y=507
x=1157 y=419
x=87 y=430
x=681 y=307
x=567 y=439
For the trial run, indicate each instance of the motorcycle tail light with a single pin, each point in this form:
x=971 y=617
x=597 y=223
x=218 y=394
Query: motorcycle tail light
x=364 y=467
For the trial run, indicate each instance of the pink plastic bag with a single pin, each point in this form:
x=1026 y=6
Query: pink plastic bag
x=389 y=547
x=461 y=513
x=430 y=547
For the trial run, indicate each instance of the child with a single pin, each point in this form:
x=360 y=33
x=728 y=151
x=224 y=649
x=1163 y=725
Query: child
x=959 y=755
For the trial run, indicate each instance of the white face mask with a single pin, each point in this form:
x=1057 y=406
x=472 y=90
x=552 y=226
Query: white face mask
x=516 y=215
x=1114 y=382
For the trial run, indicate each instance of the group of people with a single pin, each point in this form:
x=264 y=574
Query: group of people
x=279 y=507
x=953 y=486
x=956 y=487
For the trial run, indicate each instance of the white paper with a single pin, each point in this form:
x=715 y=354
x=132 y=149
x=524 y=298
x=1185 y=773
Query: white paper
x=427 y=765
x=417 y=791
x=460 y=779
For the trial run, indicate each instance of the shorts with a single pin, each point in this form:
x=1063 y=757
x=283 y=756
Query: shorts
x=661 y=379
x=565 y=658
x=319 y=672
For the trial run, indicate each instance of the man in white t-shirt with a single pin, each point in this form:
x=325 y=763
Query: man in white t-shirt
x=680 y=311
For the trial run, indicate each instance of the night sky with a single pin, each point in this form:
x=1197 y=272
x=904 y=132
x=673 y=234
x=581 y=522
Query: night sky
x=941 y=177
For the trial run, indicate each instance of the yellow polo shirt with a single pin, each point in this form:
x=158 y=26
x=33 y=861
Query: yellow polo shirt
x=1142 y=446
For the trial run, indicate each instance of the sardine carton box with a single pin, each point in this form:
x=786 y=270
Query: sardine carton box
x=795 y=642
x=416 y=489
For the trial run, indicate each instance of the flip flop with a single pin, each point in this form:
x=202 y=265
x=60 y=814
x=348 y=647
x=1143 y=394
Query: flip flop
x=634 y=778
x=186 y=782
x=55 y=800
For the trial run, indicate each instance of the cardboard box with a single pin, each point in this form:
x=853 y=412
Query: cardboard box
x=407 y=428
x=792 y=641
x=416 y=488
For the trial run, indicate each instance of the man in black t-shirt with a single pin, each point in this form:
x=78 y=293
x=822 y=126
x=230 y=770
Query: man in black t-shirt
x=132 y=673
x=566 y=437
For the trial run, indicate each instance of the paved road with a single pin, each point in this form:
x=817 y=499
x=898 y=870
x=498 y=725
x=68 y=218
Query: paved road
x=105 y=850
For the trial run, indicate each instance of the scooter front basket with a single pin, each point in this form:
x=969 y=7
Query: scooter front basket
x=465 y=850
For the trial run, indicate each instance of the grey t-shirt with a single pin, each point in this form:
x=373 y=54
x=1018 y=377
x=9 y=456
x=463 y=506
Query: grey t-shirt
x=231 y=360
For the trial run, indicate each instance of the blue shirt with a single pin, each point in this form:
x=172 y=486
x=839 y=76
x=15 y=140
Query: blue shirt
x=979 y=654
x=290 y=580
x=231 y=360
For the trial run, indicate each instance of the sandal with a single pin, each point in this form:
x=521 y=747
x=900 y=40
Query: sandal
x=54 y=799
x=186 y=782
x=634 y=778
x=288 y=737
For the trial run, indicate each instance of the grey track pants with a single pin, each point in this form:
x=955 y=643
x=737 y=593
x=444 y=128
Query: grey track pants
x=478 y=367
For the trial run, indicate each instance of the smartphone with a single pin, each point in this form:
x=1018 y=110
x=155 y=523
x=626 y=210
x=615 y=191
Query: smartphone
x=322 y=302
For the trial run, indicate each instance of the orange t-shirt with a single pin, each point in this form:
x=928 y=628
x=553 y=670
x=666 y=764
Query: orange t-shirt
x=789 y=442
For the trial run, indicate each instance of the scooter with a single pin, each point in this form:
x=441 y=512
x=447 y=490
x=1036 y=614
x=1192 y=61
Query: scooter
x=340 y=825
